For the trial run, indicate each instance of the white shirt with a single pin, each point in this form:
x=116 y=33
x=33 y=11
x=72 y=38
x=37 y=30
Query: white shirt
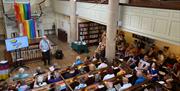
x=125 y=86
x=108 y=76
x=102 y=65
x=143 y=64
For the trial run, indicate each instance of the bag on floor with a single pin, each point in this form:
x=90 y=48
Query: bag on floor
x=59 y=54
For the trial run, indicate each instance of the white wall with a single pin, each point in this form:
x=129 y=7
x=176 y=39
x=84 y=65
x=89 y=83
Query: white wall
x=89 y=11
x=62 y=7
x=63 y=22
x=160 y=24
x=93 y=12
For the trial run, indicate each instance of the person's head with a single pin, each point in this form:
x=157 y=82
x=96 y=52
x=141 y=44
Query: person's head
x=38 y=69
x=78 y=58
x=139 y=73
x=153 y=65
x=160 y=52
x=146 y=58
x=109 y=84
x=166 y=48
x=44 y=37
x=125 y=80
x=110 y=71
x=152 y=48
x=21 y=70
x=92 y=67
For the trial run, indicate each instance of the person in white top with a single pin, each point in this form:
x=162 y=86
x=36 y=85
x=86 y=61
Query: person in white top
x=102 y=65
x=125 y=85
x=45 y=47
x=39 y=81
x=143 y=64
x=109 y=75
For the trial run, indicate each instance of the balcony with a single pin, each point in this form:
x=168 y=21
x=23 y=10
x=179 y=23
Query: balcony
x=94 y=1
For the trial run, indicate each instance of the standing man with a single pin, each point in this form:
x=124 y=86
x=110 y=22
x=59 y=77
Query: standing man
x=45 y=47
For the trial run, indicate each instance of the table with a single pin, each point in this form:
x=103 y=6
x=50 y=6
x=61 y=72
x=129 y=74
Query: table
x=79 y=47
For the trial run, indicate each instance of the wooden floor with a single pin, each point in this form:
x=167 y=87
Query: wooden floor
x=69 y=56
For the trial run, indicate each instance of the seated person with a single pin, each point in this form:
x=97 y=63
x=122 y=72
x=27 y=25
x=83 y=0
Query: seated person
x=125 y=85
x=90 y=79
x=87 y=60
x=21 y=75
x=153 y=73
x=109 y=74
x=170 y=61
x=39 y=81
x=102 y=65
x=143 y=63
x=81 y=85
x=98 y=77
x=140 y=78
x=22 y=86
x=109 y=86
x=132 y=60
x=121 y=72
x=53 y=77
x=176 y=71
x=71 y=73
x=102 y=51
x=39 y=71
x=160 y=57
x=92 y=67
x=74 y=83
x=78 y=61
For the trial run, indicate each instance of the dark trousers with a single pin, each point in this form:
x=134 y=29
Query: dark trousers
x=46 y=56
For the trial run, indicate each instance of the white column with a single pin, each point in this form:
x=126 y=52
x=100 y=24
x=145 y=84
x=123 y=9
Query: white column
x=113 y=10
x=72 y=36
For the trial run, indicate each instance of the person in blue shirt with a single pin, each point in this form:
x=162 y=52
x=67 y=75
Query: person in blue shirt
x=78 y=61
x=21 y=75
x=140 y=78
x=153 y=72
x=45 y=47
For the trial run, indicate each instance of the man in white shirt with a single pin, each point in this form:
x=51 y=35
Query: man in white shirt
x=45 y=47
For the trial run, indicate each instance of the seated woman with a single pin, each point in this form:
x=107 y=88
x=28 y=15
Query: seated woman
x=109 y=74
x=21 y=75
x=39 y=71
x=22 y=86
x=176 y=71
x=109 y=86
x=143 y=64
x=153 y=73
x=102 y=65
x=39 y=81
x=81 y=85
x=125 y=85
x=54 y=77
x=132 y=61
x=78 y=61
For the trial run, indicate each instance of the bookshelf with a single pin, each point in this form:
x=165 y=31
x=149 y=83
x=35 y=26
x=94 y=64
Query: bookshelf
x=90 y=32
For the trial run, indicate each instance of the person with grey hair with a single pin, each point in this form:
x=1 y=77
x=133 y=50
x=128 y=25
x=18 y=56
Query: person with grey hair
x=45 y=47
x=21 y=74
